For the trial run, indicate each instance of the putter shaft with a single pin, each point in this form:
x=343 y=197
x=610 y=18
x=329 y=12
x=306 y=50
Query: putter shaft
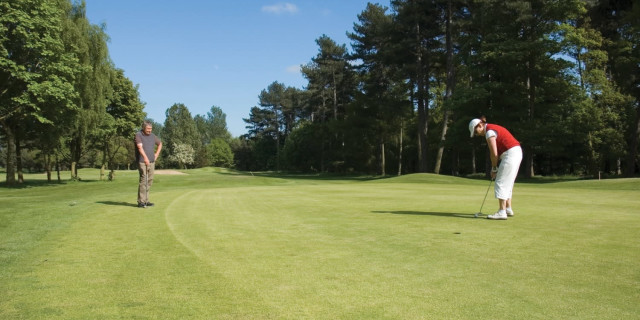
x=485 y=198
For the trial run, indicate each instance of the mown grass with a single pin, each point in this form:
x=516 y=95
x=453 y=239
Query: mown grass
x=230 y=245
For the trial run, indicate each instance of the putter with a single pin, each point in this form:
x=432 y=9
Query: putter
x=146 y=184
x=485 y=198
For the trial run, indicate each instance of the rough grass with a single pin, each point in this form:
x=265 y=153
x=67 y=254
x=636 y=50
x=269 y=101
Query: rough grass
x=221 y=244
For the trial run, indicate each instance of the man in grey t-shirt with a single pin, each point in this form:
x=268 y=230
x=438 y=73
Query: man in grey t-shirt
x=146 y=155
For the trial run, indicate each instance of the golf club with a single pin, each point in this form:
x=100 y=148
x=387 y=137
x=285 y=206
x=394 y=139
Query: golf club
x=485 y=198
x=146 y=184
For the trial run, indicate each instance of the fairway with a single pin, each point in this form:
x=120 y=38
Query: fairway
x=221 y=244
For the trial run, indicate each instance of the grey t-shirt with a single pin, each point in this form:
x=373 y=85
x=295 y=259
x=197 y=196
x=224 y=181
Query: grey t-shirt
x=148 y=145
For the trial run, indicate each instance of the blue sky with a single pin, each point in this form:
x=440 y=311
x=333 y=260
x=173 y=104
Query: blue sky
x=219 y=52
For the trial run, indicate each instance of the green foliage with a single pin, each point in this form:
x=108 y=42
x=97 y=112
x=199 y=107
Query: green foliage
x=38 y=73
x=213 y=126
x=302 y=150
x=93 y=83
x=562 y=83
x=561 y=75
x=182 y=155
x=180 y=130
x=219 y=153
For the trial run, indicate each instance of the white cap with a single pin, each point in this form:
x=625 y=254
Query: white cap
x=472 y=126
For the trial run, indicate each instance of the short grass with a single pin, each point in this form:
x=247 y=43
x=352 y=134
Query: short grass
x=227 y=245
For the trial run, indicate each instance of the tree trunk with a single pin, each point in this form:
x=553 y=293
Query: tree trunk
x=74 y=174
x=400 y=149
x=473 y=161
x=449 y=90
x=422 y=108
x=11 y=155
x=455 y=161
x=630 y=167
x=47 y=166
x=277 y=124
x=58 y=168
x=105 y=162
x=443 y=138
x=528 y=162
x=76 y=152
x=383 y=164
x=422 y=138
x=335 y=97
x=528 y=149
x=19 y=159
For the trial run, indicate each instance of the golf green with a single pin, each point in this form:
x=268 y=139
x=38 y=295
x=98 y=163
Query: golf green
x=221 y=244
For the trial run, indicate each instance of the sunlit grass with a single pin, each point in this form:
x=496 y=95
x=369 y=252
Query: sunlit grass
x=221 y=244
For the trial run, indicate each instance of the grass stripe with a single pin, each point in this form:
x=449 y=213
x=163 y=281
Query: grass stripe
x=225 y=245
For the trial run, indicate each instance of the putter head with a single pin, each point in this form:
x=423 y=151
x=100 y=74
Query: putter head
x=477 y=214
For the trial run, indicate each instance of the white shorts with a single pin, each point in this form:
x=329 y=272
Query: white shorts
x=507 y=172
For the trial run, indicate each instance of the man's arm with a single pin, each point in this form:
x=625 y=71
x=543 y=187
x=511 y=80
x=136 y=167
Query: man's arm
x=158 y=150
x=144 y=155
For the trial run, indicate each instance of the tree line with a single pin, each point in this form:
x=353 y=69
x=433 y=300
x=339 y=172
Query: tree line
x=563 y=76
x=64 y=104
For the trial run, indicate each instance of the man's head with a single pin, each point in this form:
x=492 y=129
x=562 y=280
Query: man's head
x=147 y=127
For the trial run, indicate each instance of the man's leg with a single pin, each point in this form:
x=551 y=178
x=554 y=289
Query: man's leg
x=150 y=173
x=142 y=185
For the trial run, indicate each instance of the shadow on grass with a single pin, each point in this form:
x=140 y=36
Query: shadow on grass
x=32 y=184
x=118 y=203
x=436 y=214
x=314 y=176
x=35 y=183
x=538 y=179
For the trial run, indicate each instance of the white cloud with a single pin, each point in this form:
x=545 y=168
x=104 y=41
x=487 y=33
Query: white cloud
x=281 y=8
x=293 y=69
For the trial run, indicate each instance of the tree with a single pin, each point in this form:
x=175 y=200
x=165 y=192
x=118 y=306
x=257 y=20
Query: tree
x=330 y=79
x=93 y=83
x=260 y=140
x=182 y=154
x=36 y=72
x=219 y=153
x=420 y=35
x=301 y=151
x=272 y=101
x=619 y=23
x=179 y=130
x=517 y=77
x=331 y=88
x=455 y=15
x=118 y=126
x=383 y=102
x=213 y=126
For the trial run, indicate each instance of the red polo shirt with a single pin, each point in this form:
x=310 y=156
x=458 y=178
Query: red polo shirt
x=504 y=140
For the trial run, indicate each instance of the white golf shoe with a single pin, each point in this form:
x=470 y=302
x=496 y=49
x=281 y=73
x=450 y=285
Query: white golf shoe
x=510 y=213
x=498 y=216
